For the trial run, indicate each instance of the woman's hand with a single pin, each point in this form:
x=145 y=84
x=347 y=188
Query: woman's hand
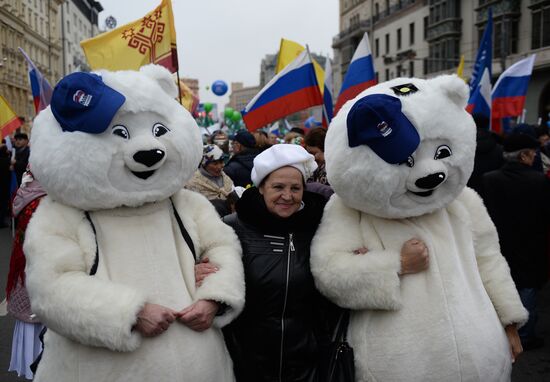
x=200 y=315
x=154 y=319
x=414 y=257
x=203 y=269
x=515 y=342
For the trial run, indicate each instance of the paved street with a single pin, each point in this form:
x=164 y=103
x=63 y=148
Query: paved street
x=532 y=366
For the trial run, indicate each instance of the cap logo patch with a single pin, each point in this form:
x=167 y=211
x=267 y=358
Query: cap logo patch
x=82 y=98
x=404 y=90
x=384 y=129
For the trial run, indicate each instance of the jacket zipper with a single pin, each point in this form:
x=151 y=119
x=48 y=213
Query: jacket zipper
x=290 y=250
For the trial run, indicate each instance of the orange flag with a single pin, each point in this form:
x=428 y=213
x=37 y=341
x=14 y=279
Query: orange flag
x=151 y=39
x=9 y=121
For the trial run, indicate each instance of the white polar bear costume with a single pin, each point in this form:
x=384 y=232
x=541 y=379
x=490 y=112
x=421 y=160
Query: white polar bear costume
x=126 y=178
x=444 y=323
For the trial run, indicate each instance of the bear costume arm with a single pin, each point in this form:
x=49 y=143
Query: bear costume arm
x=60 y=250
x=217 y=241
x=355 y=281
x=493 y=268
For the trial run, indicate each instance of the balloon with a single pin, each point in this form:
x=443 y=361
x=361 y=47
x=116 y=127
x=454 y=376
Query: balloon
x=219 y=87
x=228 y=112
x=208 y=107
x=236 y=116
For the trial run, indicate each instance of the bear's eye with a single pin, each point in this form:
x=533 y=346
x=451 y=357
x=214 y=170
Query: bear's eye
x=121 y=131
x=159 y=129
x=409 y=162
x=443 y=151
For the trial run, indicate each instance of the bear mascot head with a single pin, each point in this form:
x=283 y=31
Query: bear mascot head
x=390 y=155
x=115 y=138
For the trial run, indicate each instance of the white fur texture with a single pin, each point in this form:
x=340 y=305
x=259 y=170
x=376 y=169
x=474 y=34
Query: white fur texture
x=94 y=172
x=437 y=111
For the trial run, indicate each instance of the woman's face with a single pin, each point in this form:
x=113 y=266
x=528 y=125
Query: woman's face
x=317 y=153
x=283 y=190
x=214 y=168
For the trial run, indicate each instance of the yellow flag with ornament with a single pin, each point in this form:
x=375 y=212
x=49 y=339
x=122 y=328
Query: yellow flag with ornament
x=288 y=51
x=151 y=39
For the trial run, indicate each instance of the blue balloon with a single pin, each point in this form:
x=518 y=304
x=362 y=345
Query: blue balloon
x=219 y=87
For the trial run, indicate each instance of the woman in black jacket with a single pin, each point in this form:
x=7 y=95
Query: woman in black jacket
x=285 y=322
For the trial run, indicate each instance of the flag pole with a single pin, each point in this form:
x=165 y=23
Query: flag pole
x=179 y=87
x=321 y=94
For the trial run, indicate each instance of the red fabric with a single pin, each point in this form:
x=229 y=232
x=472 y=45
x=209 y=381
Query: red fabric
x=17 y=260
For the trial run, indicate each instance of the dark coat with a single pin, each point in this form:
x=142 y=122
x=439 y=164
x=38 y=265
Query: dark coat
x=518 y=201
x=240 y=166
x=285 y=320
x=488 y=157
x=21 y=162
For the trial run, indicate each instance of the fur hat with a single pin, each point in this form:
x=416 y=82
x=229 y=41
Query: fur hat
x=211 y=153
x=282 y=155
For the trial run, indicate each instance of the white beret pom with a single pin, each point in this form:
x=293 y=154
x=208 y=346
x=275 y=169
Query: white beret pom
x=282 y=155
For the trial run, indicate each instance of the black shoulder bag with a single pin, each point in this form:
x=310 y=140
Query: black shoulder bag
x=337 y=361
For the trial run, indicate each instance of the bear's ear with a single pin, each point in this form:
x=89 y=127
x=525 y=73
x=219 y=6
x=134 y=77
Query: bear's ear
x=164 y=78
x=453 y=87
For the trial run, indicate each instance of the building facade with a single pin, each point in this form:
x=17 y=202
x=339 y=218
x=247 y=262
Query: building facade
x=424 y=38
x=31 y=25
x=240 y=95
x=79 y=21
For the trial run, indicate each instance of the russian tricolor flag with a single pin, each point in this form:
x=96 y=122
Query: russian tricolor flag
x=40 y=87
x=293 y=89
x=360 y=74
x=480 y=83
x=509 y=93
x=328 y=90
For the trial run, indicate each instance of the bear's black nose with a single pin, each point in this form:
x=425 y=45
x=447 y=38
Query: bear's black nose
x=149 y=157
x=431 y=181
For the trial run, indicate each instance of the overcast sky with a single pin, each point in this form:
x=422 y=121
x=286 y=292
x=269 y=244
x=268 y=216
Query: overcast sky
x=227 y=39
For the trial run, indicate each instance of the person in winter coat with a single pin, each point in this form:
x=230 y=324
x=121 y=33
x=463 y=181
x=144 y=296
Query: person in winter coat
x=517 y=199
x=488 y=155
x=210 y=179
x=285 y=322
x=240 y=165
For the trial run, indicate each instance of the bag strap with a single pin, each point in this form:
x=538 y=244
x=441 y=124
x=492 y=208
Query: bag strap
x=184 y=232
x=341 y=330
x=96 y=260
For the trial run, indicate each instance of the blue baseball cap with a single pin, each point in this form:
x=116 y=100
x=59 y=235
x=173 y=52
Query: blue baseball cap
x=83 y=102
x=377 y=121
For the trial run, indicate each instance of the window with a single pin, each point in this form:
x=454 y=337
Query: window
x=399 y=39
x=376 y=10
x=376 y=48
x=540 y=33
x=399 y=70
x=426 y=28
x=387 y=9
x=411 y=34
x=387 y=43
x=411 y=68
x=376 y=76
x=387 y=74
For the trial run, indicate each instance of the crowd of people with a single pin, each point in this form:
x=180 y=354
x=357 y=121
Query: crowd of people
x=272 y=192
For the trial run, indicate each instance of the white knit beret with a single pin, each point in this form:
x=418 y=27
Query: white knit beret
x=282 y=155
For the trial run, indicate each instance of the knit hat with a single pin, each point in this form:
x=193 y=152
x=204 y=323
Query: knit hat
x=245 y=138
x=211 y=153
x=282 y=155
